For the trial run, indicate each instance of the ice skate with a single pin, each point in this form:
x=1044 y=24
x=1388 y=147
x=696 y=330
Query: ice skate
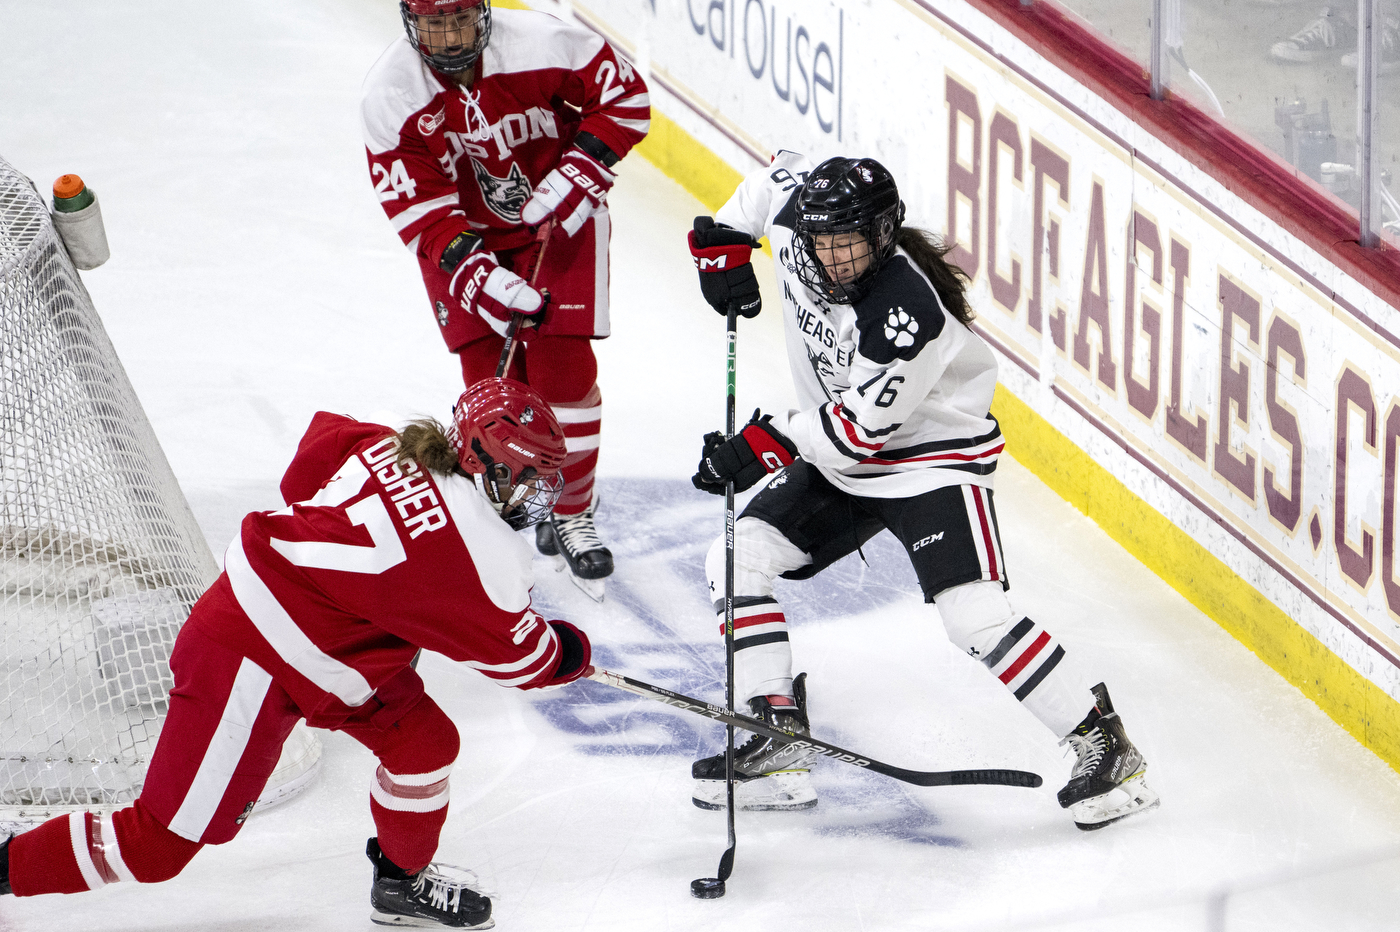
x=438 y=895
x=768 y=774
x=575 y=538
x=1108 y=782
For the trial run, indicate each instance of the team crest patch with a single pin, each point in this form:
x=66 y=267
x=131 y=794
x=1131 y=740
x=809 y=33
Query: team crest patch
x=442 y=314
x=429 y=123
x=503 y=196
x=900 y=328
x=527 y=415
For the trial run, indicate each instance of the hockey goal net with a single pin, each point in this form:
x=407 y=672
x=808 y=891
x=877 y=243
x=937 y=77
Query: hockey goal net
x=100 y=556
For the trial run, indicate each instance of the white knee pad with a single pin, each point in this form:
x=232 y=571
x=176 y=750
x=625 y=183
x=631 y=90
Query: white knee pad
x=761 y=553
x=974 y=615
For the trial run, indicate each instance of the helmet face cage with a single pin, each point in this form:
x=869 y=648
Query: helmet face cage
x=848 y=218
x=449 y=34
x=524 y=502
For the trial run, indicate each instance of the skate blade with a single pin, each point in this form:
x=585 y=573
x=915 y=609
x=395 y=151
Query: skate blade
x=593 y=588
x=416 y=922
x=781 y=791
x=1094 y=814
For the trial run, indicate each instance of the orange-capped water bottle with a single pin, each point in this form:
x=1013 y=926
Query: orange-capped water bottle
x=78 y=217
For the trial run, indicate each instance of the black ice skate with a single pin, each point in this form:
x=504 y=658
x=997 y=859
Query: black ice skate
x=575 y=538
x=430 y=898
x=1108 y=782
x=768 y=774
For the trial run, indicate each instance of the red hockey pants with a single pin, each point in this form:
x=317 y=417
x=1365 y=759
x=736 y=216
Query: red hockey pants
x=221 y=741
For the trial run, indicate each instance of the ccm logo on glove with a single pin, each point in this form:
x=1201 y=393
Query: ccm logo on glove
x=722 y=258
x=748 y=456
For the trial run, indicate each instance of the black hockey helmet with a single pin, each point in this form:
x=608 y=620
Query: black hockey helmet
x=857 y=197
x=449 y=34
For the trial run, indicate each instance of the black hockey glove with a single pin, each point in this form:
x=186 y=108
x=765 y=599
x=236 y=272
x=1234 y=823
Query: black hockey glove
x=751 y=454
x=576 y=653
x=726 y=275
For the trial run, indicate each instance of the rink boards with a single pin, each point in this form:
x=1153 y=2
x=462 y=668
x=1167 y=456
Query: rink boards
x=1211 y=390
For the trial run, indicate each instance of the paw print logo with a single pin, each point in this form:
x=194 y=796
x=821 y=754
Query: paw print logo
x=900 y=328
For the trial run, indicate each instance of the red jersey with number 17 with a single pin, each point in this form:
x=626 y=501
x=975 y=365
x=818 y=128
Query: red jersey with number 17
x=334 y=594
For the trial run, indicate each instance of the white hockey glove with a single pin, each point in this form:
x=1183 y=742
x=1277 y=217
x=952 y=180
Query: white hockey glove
x=493 y=293
x=571 y=192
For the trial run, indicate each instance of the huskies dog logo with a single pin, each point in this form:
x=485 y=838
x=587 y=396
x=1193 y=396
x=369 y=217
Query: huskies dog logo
x=504 y=196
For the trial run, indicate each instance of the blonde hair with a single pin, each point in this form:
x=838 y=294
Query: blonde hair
x=424 y=441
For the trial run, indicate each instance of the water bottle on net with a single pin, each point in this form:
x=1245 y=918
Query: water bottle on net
x=78 y=217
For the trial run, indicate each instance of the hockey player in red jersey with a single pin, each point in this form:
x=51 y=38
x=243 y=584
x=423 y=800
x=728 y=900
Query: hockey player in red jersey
x=389 y=542
x=480 y=126
x=894 y=431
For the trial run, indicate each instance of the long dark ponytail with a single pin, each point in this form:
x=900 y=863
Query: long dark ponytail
x=928 y=252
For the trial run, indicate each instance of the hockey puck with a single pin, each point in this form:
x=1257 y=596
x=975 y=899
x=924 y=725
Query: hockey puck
x=707 y=888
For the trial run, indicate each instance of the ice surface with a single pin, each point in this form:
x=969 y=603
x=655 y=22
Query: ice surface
x=254 y=280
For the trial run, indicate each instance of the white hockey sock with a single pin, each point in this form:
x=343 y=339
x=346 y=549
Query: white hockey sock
x=1019 y=652
x=762 y=655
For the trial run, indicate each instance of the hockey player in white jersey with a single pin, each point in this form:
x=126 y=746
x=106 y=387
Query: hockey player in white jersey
x=894 y=431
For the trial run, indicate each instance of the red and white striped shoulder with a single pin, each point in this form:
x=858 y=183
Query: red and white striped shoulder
x=525 y=40
x=397 y=86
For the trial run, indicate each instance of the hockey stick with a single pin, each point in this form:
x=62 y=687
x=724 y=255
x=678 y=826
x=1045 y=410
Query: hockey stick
x=987 y=776
x=516 y=318
x=711 y=887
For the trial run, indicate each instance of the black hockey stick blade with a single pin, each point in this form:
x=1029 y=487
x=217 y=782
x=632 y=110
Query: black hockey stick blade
x=984 y=776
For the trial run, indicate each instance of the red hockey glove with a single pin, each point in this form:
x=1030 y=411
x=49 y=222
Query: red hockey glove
x=577 y=654
x=571 y=192
x=754 y=452
x=492 y=292
x=726 y=275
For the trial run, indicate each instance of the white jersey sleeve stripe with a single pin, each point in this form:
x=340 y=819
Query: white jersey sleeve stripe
x=407 y=217
x=544 y=664
x=637 y=126
x=547 y=639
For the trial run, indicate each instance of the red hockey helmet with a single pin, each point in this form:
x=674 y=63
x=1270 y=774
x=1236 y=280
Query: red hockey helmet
x=504 y=431
x=449 y=34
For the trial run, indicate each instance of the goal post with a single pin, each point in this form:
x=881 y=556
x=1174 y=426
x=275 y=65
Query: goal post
x=101 y=559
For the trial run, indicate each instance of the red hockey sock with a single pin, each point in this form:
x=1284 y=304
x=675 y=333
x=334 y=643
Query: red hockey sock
x=409 y=792
x=82 y=851
x=583 y=426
